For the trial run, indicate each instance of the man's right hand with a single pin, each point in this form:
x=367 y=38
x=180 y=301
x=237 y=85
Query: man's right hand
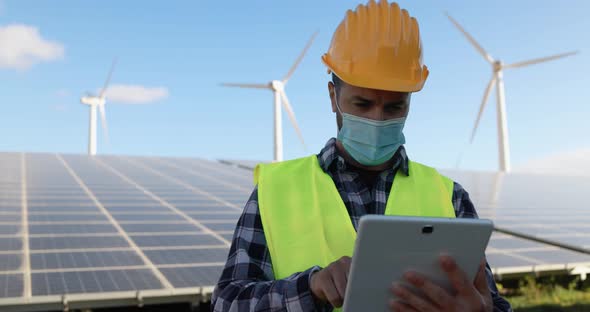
x=329 y=284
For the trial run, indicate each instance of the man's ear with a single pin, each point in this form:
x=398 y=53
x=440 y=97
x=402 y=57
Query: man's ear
x=409 y=102
x=332 y=92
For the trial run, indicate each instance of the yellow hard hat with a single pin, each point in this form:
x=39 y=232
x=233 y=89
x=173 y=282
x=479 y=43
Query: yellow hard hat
x=378 y=46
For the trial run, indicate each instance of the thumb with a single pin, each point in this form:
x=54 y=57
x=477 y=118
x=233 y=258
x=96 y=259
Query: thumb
x=481 y=283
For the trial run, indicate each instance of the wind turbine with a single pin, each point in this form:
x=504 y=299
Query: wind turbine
x=97 y=102
x=497 y=79
x=280 y=97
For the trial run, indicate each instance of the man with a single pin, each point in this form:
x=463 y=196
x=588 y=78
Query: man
x=292 y=245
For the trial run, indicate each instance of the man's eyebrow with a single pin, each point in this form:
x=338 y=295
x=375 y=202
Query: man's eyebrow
x=360 y=99
x=397 y=103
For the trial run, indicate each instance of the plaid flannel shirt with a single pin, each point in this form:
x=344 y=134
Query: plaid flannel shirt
x=247 y=282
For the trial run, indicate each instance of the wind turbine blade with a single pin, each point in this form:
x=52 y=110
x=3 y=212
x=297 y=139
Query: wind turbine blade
x=298 y=60
x=460 y=157
x=540 y=60
x=483 y=52
x=247 y=85
x=291 y=114
x=106 y=83
x=482 y=107
x=103 y=122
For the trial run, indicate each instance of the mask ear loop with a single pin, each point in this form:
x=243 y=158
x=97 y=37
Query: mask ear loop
x=337 y=105
x=339 y=110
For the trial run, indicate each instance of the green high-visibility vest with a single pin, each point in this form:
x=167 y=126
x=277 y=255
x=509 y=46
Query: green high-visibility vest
x=306 y=223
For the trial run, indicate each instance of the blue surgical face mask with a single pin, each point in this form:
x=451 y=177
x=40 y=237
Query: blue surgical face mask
x=371 y=142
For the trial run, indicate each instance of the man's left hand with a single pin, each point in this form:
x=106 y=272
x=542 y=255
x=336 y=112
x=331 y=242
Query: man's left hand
x=468 y=296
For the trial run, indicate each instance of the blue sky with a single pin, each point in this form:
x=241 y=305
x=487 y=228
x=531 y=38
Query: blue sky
x=188 y=47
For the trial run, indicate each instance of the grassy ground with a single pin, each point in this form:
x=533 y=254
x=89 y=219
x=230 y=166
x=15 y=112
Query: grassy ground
x=549 y=294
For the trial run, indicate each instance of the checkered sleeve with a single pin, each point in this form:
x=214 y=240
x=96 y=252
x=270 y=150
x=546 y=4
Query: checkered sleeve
x=247 y=282
x=464 y=209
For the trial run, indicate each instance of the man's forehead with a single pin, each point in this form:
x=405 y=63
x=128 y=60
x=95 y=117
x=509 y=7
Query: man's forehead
x=350 y=91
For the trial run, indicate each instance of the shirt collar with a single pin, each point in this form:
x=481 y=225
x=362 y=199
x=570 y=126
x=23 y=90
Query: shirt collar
x=330 y=159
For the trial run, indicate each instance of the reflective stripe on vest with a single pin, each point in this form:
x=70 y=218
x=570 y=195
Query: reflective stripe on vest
x=306 y=223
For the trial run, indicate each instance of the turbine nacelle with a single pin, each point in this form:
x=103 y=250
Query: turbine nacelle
x=497 y=66
x=92 y=100
x=277 y=85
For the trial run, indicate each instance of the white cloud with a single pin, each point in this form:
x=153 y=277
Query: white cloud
x=135 y=94
x=23 y=47
x=575 y=162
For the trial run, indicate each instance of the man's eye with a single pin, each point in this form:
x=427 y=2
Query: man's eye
x=361 y=104
x=394 y=108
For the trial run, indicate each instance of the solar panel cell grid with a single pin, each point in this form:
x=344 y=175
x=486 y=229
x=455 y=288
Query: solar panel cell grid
x=122 y=218
x=582 y=240
x=193 y=276
x=114 y=209
x=71 y=228
x=10 y=209
x=176 y=240
x=191 y=202
x=10 y=244
x=246 y=164
x=57 y=283
x=127 y=201
x=230 y=216
x=84 y=259
x=11 y=201
x=9 y=229
x=508 y=243
x=10 y=218
x=11 y=285
x=82 y=218
x=10 y=262
x=11 y=197
x=196 y=208
x=505 y=252
x=499 y=260
x=45 y=243
x=556 y=256
x=188 y=255
x=66 y=201
x=228 y=237
x=74 y=209
x=229 y=226
x=161 y=227
x=530 y=203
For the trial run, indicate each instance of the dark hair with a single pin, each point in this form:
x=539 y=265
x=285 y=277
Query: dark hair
x=337 y=82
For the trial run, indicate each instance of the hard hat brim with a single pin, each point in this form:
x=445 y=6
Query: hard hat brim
x=375 y=82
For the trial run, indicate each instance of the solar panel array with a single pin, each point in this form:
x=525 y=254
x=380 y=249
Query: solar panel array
x=548 y=207
x=77 y=225
x=74 y=224
x=551 y=207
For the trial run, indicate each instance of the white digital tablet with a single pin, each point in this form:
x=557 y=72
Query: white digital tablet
x=388 y=246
